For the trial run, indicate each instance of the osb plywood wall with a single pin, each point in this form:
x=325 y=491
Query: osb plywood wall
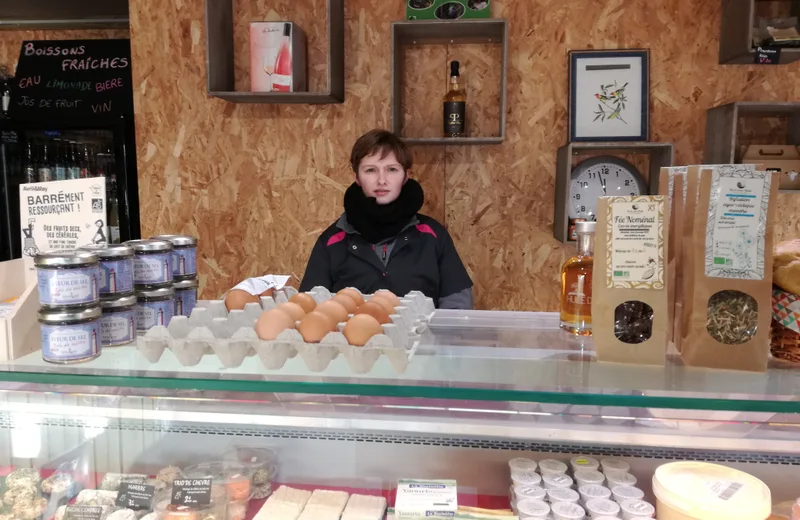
x=258 y=183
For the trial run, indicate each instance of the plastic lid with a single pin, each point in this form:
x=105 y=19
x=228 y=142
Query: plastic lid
x=526 y=478
x=640 y=508
x=522 y=464
x=568 y=510
x=615 y=465
x=594 y=491
x=627 y=493
x=563 y=495
x=624 y=479
x=602 y=506
x=531 y=507
x=558 y=480
x=589 y=476
x=552 y=466
x=584 y=462
x=711 y=491
x=534 y=492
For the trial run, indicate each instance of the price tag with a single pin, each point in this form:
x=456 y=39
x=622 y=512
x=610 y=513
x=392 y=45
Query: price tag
x=135 y=496
x=195 y=492
x=83 y=513
x=767 y=55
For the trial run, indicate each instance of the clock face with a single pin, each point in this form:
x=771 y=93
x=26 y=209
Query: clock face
x=601 y=177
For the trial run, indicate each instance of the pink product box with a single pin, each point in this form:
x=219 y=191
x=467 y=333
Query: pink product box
x=277 y=57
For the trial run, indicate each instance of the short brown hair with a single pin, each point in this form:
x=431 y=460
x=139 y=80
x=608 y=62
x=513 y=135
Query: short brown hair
x=382 y=141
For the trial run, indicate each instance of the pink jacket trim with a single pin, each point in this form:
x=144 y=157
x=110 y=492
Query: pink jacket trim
x=425 y=228
x=335 y=239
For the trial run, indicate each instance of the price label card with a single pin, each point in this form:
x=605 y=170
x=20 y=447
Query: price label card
x=83 y=513
x=195 y=492
x=767 y=55
x=135 y=496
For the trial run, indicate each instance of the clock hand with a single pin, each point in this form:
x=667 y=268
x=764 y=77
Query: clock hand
x=603 y=184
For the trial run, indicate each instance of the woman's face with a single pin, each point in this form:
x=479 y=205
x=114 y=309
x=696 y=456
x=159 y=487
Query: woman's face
x=382 y=178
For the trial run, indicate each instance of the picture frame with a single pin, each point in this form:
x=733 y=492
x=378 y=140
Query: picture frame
x=609 y=95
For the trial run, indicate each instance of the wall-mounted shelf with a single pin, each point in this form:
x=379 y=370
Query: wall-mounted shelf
x=722 y=122
x=736 y=33
x=445 y=32
x=219 y=56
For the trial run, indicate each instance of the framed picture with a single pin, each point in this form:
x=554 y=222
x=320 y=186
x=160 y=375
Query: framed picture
x=609 y=95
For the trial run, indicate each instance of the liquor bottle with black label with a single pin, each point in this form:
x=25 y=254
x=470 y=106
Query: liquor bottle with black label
x=455 y=106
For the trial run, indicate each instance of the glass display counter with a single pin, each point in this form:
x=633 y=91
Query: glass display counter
x=481 y=388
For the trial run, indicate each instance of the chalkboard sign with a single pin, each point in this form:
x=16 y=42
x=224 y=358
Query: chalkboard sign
x=767 y=55
x=69 y=79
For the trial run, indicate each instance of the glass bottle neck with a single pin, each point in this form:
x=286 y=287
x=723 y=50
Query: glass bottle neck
x=585 y=242
x=454 y=83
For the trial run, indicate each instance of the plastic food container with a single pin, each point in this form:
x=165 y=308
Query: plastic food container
x=637 y=509
x=703 y=491
x=214 y=511
x=563 y=495
x=589 y=476
x=567 y=511
x=530 y=508
x=529 y=492
x=526 y=478
x=591 y=491
x=557 y=481
x=552 y=467
x=622 y=493
x=521 y=464
x=579 y=463
x=625 y=479
x=614 y=467
x=261 y=463
x=233 y=477
x=599 y=507
x=67 y=278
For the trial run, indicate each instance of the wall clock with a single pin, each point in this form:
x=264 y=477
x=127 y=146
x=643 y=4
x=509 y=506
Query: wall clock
x=603 y=176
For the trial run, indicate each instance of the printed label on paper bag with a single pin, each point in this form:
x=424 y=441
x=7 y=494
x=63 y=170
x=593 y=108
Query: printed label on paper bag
x=635 y=243
x=736 y=228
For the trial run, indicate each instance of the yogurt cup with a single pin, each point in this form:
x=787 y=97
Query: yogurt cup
x=605 y=518
x=529 y=492
x=636 y=509
x=526 y=478
x=530 y=508
x=625 y=479
x=614 y=467
x=589 y=476
x=552 y=467
x=592 y=491
x=622 y=493
x=567 y=511
x=557 y=481
x=599 y=507
x=521 y=464
x=579 y=463
x=563 y=495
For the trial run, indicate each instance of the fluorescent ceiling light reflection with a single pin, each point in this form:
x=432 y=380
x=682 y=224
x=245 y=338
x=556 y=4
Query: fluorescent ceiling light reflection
x=26 y=436
x=94 y=426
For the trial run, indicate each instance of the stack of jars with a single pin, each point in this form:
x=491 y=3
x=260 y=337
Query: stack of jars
x=165 y=279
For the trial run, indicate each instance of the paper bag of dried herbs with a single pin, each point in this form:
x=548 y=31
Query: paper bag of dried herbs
x=630 y=315
x=727 y=262
x=785 y=340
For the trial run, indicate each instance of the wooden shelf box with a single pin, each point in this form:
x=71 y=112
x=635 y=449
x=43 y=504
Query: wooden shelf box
x=219 y=56
x=736 y=32
x=722 y=123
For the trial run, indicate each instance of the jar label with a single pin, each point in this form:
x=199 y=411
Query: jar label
x=150 y=314
x=185 y=301
x=69 y=342
x=67 y=287
x=116 y=276
x=184 y=261
x=117 y=328
x=635 y=242
x=152 y=269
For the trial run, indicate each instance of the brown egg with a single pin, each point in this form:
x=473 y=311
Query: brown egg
x=304 y=300
x=352 y=293
x=389 y=295
x=359 y=329
x=236 y=299
x=387 y=305
x=315 y=326
x=293 y=310
x=268 y=292
x=346 y=301
x=375 y=310
x=334 y=310
x=273 y=322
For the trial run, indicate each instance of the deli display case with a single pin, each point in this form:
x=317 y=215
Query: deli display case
x=481 y=391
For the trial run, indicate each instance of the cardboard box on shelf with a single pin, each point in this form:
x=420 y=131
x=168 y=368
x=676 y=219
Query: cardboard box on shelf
x=447 y=9
x=784 y=159
x=19 y=327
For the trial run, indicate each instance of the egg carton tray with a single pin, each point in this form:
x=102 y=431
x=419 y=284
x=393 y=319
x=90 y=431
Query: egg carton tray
x=212 y=330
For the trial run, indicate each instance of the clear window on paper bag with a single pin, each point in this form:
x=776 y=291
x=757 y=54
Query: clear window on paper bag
x=732 y=317
x=633 y=322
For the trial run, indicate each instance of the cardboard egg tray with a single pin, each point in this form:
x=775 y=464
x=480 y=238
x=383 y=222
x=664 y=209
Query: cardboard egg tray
x=211 y=329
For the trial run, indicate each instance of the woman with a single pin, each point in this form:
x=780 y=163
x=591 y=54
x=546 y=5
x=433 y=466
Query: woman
x=380 y=241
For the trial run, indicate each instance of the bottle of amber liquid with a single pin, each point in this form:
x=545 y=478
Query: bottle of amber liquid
x=455 y=105
x=576 y=283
